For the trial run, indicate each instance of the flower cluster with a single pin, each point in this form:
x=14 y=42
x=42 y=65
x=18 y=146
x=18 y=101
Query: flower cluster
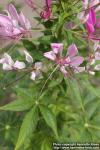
x=13 y=25
x=46 y=13
x=10 y=65
x=71 y=61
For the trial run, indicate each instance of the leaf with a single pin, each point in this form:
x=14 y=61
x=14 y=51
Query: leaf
x=45 y=145
x=75 y=91
x=50 y=118
x=27 y=127
x=56 y=82
x=88 y=86
x=18 y=105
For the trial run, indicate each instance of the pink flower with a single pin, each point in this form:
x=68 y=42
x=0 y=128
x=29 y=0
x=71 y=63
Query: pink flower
x=13 y=25
x=9 y=64
x=92 y=25
x=70 y=61
x=88 y=4
x=46 y=13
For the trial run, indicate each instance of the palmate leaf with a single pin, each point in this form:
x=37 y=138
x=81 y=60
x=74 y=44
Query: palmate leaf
x=24 y=101
x=18 y=105
x=28 y=126
x=50 y=118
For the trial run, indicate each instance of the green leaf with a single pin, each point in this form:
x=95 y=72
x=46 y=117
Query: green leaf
x=28 y=126
x=50 y=118
x=45 y=145
x=75 y=92
x=18 y=105
x=93 y=90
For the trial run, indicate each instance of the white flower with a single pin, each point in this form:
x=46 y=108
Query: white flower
x=9 y=64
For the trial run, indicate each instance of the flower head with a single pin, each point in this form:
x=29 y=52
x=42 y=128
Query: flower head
x=46 y=13
x=70 y=61
x=13 y=25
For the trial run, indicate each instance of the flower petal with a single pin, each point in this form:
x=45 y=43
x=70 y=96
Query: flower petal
x=24 y=21
x=38 y=65
x=19 y=65
x=92 y=17
x=90 y=27
x=97 y=56
x=93 y=3
x=50 y=55
x=57 y=47
x=7 y=67
x=33 y=75
x=63 y=70
x=76 y=61
x=13 y=12
x=5 y=22
x=28 y=57
x=72 y=50
x=97 y=67
x=96 y=45
x=7 y=59
x=79 y=69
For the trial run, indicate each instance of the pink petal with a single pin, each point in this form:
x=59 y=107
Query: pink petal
x=90 y=28
x=19 y=65
x=76 y=61
x=72 y=50
x=63 y=70
x=92 y=17
x=48 y=3
x=13 y=12
x=5 y=33
x=46 y=14
x=24 y=21
x=5 y=22
x=57 y=47
x=50 y=55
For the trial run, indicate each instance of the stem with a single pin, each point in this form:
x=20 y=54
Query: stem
x=47 y=80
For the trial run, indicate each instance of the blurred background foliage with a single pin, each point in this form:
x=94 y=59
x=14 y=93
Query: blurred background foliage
x=68 y=110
